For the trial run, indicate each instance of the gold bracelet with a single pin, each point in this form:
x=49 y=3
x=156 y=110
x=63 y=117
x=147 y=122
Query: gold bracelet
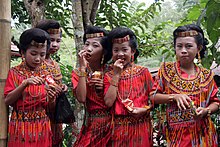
x=147 y=107
x=209 y=111
x=81 y=73
x=171 y=97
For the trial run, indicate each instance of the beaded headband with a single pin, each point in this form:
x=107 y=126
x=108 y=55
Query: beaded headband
x=94 y=35
x=187 y=33
x=38 y=45
x=54 y=31
x=121 y=40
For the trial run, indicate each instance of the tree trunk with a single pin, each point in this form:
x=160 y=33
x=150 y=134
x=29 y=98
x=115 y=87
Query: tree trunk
x=5 y=54
x=89 y=11
x=35 y=9
x=78 y=37
x=84 y=12
x=77 y=21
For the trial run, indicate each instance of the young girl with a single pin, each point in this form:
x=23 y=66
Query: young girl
x=88 y=87
x=189 y=92
x=25 y=92
x=53 y=28
x=127 y=87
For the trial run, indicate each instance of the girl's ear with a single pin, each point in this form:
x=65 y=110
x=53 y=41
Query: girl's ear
x=133 y=51
x=200 y=48
x=22 y=55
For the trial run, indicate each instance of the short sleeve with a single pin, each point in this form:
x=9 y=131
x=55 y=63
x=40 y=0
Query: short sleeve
x=106 y=83
x=74 y=79
x=9 y=85
x=158 y=84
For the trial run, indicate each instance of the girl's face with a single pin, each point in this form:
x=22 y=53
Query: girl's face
x=122 y=51
x=35 y=56
x=186 y=49
x=55 y=43
x=94 y=50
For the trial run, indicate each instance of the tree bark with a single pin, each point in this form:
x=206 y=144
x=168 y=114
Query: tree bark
x=5 y=54
x=77 y=20
x=36 y=10
x=89 y=9
x=83 y=14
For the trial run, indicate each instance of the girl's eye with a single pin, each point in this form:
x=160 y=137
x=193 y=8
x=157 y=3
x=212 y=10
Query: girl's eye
x=33 y=54
x=95 y=46
x=115 y=50
x=188 y=46
x=42 y=55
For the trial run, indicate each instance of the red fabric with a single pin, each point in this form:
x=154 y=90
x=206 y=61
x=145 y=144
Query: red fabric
x=93 y=101
x=141 y=85
x=36 y=132
x=130 y=131
x=172 y=80
x=54 y=69
x=96 y=129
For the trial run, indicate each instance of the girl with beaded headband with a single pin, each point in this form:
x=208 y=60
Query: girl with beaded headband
x=88 y=88
x=126 y=88
x=188 y=91
x=53 y=28
x=26 y=91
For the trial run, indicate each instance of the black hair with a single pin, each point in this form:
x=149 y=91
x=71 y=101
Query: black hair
x=121 y=32
x=103 y=41
x=33 y=34
x=200 y=39
x=47 y=24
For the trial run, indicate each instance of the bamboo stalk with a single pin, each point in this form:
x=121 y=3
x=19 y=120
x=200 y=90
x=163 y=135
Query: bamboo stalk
x=5 y=55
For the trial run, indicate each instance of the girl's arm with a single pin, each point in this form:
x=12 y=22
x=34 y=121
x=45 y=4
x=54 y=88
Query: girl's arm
x=111 y=93
x=16 y=93
x=182 y=100
x=81 y=90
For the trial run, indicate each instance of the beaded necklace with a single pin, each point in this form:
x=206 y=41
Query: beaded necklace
x=126 y=101
x=33 y=90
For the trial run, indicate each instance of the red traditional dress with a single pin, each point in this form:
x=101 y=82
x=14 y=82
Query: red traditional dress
x=56 y=128
x=95 y=131
x=29 y=125
x=182 y=130
x=134 y=86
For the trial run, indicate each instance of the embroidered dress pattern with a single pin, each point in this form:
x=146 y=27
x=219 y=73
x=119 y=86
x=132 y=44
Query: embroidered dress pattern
x=29 y=124
x=133 y=89
x=182 y=128
x=96 y=128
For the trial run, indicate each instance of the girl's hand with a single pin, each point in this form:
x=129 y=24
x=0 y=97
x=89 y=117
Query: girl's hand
x=34 y=80
x=83 y=56
x=118 y=66
x=201 y=113
x=53 y=91
x=98 y=83
x=182 y=101
x=139 y=112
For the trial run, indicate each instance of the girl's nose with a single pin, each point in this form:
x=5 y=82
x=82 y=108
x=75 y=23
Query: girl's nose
x=89 y=49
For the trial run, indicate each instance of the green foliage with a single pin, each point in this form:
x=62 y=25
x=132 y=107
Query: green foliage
x=60 y=10
x=134 y=15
